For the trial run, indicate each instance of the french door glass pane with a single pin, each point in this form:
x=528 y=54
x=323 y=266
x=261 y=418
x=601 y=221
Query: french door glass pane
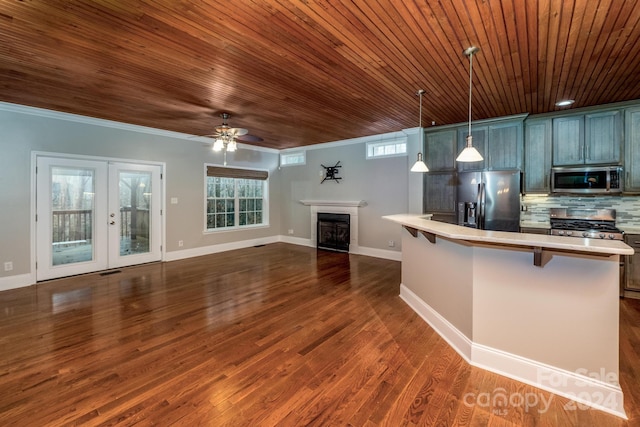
x=72 y=210
x=135 y=222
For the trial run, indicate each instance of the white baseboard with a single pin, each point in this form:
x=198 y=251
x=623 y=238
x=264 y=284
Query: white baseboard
x=222 y=247
x=446 y=330
x=357 y=250
x=297 y=241
x=22 y=280
x=579 y=388
x=378 y=253
x=17 y=281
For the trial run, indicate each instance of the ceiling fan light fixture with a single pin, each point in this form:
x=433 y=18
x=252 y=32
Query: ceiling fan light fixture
x=218 y=145
x=470 y=153
x=231 y=146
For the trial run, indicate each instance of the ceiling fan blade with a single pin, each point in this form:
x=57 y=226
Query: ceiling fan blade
x=238 y=131
x=249 y=138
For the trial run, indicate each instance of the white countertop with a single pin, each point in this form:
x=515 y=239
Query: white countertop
x=531 y=224
x=451 y=231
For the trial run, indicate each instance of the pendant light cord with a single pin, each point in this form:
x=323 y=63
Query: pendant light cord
x=419 y=93
x=470 y=87
x=420 y=121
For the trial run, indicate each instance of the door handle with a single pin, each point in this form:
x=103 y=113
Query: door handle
x=112 y=222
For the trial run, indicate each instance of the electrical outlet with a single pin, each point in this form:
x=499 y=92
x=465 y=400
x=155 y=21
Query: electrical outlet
x=180 y=243
x=290 y=231
x=392 y=243
x=8 y=266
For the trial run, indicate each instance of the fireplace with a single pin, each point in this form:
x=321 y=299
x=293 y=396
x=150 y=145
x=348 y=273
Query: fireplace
x=348 y=207
x=333 y=231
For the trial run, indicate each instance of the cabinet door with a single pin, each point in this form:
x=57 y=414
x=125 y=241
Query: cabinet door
x=440 y=192
x=603 y=137
x=479 y=134
x=537 y=159
x=504 y=146
x=440 y=151
x=632 y=150
x=568 y=141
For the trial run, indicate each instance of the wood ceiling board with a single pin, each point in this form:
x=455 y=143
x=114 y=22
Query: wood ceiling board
x=300 y=73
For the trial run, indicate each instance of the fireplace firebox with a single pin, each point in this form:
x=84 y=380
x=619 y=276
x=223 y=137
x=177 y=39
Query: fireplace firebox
x=333 y=231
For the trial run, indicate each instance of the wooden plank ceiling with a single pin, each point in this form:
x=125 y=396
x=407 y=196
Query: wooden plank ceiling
x=304 y=72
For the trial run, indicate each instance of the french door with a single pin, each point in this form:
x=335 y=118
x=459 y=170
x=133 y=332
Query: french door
x=95 y=215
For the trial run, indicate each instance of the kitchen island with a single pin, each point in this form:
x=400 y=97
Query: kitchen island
x=540 y=309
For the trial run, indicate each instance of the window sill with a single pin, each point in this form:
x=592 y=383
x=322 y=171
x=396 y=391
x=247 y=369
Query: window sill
x=232 y=229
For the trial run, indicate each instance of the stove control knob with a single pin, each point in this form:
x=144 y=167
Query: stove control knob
x=569 y=233
x=585 y=234
x=611 y=236
x=601 y=235
x=560 y=233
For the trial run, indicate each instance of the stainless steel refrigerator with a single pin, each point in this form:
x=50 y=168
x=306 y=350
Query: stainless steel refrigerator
x=489 y=200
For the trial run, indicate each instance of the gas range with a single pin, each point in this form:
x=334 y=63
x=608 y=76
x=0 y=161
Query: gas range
x=585 y=223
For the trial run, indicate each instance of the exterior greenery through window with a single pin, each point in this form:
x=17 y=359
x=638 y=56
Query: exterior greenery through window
x=235 y=202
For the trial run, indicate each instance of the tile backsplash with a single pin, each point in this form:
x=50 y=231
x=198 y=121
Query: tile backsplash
x=627 y=207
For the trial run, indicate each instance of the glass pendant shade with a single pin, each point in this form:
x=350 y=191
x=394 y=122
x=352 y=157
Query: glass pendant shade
x=218 y=145
x=469 y=154
x=419 y=165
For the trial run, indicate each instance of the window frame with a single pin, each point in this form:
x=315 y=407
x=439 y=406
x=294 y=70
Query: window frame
x=236 y=201
x=370 y=148
x=302 y=153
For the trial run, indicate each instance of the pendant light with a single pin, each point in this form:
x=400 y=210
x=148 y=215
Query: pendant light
x=419 y=165
x=470 y=154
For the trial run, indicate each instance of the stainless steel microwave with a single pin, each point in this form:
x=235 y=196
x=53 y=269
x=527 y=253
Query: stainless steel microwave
x=587 y=180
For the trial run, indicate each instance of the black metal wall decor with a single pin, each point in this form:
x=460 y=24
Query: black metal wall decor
x=330 y=173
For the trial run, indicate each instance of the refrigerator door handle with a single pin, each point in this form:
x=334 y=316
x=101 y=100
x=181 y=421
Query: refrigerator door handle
x=482 y=196
x=479 y=210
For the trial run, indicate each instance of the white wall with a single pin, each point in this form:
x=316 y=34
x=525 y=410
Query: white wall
x=382 y=183
x=385 y=184
x=26 y=130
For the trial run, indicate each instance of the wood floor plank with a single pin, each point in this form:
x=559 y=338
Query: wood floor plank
x=267 y=336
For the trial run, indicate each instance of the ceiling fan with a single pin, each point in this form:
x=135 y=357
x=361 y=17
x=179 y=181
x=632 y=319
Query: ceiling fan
x=226 y=136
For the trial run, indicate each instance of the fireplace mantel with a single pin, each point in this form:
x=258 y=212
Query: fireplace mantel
x=344 y=203
x=336 y=206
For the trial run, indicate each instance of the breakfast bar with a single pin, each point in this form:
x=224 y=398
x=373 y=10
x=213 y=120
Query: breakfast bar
x=537 y=308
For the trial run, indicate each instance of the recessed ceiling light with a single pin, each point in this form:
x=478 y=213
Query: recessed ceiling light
x=564 y=103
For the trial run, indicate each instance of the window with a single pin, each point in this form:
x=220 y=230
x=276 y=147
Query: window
x=235 y=198
x=293 y=158
x=388 y=148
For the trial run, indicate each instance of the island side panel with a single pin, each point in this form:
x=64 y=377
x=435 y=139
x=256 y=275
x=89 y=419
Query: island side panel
x=564 y=314
x=441 y=275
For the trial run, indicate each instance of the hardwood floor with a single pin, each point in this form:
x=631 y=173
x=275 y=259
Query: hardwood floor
x=273 y=335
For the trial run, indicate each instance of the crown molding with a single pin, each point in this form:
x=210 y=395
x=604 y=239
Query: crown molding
x=76 y=118
x=360 y=140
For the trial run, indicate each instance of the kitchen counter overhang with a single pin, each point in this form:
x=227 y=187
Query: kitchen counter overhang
x=554 y=327
x=537 y=242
